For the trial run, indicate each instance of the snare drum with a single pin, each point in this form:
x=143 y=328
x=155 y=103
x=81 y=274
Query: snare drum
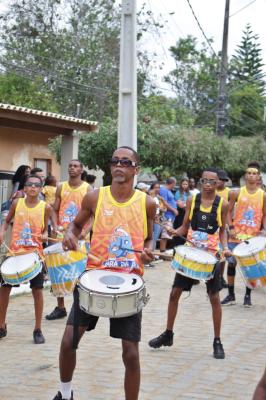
x=251 y=257
x=111 y=294
x=194 y=263
x=21 y=268
x=64 y=267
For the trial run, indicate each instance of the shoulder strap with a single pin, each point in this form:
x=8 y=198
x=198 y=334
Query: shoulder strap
x=197 y=202
x=215 y=205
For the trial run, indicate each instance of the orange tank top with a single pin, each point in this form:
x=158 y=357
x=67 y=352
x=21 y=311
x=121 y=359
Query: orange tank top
x=224 y=193
x=70 y=204
x=248 y=213
x=118 y=227
x=28 y=222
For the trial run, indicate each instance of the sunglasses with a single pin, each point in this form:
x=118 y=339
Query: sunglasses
x=31 y=184
x=123 y=162
x=204 y=181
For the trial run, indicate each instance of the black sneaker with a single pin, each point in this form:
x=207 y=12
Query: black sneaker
x=57 y=313
x=38 y=336
x=247 y=301
x=218 y=350
x=165 y=339
x=59 y=396
x=229 y=300
x=3 y=332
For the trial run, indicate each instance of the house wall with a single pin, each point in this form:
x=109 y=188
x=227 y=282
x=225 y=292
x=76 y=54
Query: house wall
x=18 y=146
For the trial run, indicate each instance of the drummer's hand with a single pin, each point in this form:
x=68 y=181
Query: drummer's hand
x=70 y=241
x=227 y=253
x=44 y=236
x=2 y=235
x=146 y=256
x=83 y=235
x=263 y=232
x=171 y=231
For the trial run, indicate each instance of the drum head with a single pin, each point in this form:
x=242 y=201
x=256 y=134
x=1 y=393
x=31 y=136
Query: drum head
x=195 y=254
x=101 y=281
x=250 y=246
x=53 y=249
x=18 y=263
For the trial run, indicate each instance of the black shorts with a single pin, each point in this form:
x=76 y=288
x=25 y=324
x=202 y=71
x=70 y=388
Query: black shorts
x=36 y=282
x=126 y=328
x=213 y=285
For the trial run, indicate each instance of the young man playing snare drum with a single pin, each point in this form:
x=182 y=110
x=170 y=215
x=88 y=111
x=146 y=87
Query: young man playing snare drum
x=247 y=216
x=123 y=218
x=204 y=223
x=30 y=223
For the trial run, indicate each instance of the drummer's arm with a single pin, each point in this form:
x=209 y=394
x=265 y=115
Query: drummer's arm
x=183 y=229
x=8 y=220
x=222 y=230
x=56 y=206
x=146 y=255
x=47 y=216
x=230 y=218
x=86 y=211
x=264 y=215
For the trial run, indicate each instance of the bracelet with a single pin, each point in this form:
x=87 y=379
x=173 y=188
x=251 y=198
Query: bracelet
x=231 y=227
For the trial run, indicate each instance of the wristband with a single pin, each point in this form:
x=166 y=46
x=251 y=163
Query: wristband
x=231 y=227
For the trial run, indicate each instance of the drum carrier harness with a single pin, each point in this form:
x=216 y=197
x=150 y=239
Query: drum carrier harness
x=203 y=221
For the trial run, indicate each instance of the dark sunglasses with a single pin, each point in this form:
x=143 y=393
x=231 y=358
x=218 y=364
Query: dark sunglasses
x=204 y=181
x=123 y=162
x=31 y=184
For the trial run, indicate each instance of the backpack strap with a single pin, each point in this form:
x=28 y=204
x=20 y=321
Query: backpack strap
x=215 y=206
x=197 y=203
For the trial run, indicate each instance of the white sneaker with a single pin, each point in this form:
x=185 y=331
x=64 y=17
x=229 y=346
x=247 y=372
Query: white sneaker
x=169 y=252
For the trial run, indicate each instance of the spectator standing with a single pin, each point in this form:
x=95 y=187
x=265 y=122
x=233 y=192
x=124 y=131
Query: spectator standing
x=192 y=186
x=171 y=212
x=181 y=196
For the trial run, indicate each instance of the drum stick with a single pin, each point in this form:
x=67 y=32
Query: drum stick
x=166 y=257
x=8 y=249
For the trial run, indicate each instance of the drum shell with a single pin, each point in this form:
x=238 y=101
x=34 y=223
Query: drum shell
x=253 y=269
x=24 y=276
x=64 y=268
x=192 y=269
x=112 y=305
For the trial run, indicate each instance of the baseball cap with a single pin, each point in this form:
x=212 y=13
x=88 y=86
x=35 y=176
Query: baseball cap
x=222 y=175
x=142 y=186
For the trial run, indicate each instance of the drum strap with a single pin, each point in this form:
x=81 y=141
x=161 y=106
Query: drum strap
x=76 y=319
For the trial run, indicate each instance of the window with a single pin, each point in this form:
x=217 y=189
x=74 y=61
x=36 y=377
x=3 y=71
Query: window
x=44 y=164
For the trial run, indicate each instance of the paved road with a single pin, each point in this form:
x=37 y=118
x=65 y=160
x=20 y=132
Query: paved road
x=185 y=371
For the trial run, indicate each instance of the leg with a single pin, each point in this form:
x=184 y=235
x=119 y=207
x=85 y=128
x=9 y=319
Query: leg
x=173 y=306
x=216 y=313
x=163 y=243
x=260 y=392
x=166 y=338
x=132 y=369
x=37 y=294
x=4 y=300
x=231 y=272
x=61 y=302
x=67 y=357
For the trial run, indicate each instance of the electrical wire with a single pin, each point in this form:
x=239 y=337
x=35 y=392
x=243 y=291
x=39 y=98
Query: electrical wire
x=241 y=9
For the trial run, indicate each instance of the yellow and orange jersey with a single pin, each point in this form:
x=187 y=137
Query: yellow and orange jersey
x=70 y=204
x=27 y=227
x=118 y=228
x=248 y=213
x=224 y=193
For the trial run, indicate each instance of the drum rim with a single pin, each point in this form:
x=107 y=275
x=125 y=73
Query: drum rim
x=252 y=253
x=81 y=286
x=215 y=260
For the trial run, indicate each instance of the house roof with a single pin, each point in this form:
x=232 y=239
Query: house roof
x=27 y=118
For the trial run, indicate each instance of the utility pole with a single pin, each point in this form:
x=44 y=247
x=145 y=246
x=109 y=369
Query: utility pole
x=127 y=111
x=222 y=99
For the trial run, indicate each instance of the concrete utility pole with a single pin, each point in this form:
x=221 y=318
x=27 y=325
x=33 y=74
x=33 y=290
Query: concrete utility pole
x=127 y=112
x=221 y=114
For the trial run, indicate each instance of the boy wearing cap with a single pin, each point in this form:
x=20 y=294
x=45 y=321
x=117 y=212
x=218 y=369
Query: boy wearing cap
x=247 y=214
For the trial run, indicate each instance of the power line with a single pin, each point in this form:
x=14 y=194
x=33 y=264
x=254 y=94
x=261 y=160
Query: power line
x=200 y=27
x=241 y=9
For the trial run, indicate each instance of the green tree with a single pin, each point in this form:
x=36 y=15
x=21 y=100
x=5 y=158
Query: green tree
x=194 y=80
x=246 y=88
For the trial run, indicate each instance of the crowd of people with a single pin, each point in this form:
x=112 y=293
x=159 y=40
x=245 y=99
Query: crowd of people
x=210 y=218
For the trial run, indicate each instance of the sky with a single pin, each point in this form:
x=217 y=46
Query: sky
x=210 y=14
